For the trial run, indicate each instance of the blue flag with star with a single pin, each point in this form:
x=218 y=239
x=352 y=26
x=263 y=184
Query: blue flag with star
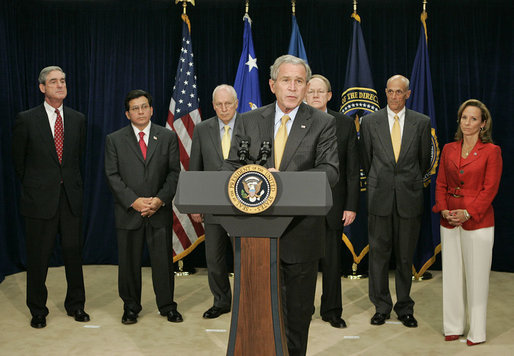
x=247 y=77
x=422 y=100
x=296 y=47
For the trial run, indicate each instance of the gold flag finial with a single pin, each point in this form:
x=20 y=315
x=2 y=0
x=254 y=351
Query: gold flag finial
x=425 y=5
x=184 y=4
x=293 y=6
x=354 y=6
x=246 y=6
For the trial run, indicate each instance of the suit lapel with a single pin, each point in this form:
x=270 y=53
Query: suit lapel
x=409 y=132
x=474 y=154
x=384 y=135
x=153 y=142
x=267 y=130
x=45 y=131
x=214 y=134
x=301 y=126
x=131 y=142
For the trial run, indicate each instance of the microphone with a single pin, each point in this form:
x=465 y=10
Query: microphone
x=265 y=151
x=243 y=151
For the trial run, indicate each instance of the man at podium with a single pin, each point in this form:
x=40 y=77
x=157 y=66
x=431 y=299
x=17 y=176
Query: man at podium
x=304 y=139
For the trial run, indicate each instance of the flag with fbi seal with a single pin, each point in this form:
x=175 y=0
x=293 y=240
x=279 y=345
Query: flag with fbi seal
x=422 y=100
x=296 y=47
x=247 y=77
x=359 y=98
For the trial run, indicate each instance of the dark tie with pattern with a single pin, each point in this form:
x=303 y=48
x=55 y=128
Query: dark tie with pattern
x=59 y=135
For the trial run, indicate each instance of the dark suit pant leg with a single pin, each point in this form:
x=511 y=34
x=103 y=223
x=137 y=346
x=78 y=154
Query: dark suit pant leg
x=71 y=243
x=161 y=258
x=298 y=286
x=216 y=240
x=380 y=232
x=130 y=249
x=40 y=241
x=404 y=242
x=331 y=299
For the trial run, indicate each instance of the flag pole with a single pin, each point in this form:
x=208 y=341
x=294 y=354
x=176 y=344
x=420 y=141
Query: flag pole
x=180 y=262
x=246 y=6
x=184 y=4
x=354 y=6
x=293 y=7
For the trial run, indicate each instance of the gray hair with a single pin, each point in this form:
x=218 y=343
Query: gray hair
x=323 y=79
x=44 y=72
x=399 y=76
x=227 y=87
x=287 y=58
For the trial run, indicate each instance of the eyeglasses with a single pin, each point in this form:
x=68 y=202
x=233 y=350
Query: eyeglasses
x=224 y=105
x=143 y=107
x=318 y=92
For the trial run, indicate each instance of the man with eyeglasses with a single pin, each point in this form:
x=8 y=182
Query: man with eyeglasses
x=345 y=197
x=210 y=147
x=396 y=150
x=142 y=168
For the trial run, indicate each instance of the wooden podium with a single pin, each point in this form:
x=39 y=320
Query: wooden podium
x=256 y=327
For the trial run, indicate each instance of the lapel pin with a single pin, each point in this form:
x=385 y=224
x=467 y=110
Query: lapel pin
x=155 y=138
x=302 y=126
x=475 y=153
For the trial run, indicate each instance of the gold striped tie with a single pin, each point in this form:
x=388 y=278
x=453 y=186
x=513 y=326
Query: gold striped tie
x=396 y=137
x=225 y=142
x=280 y=141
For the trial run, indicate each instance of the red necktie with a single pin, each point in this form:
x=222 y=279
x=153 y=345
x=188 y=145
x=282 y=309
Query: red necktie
x=142 y=143
x=59 y=135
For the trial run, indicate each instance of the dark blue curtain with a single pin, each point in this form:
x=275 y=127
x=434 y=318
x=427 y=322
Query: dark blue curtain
x=107 y=48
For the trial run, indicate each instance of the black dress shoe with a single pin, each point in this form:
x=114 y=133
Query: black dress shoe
x=38 y=321
x=379 y=318
x=408 y=320
x=173 y=316
x=335 y=321
x=215 y=312
x=79 y=315
x=129 y=317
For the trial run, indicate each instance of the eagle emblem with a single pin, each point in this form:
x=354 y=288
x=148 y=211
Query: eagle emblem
x=252 y=189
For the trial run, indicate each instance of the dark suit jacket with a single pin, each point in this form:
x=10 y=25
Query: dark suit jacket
x=37 y=165
x=130 y=176
x=476 y=179
x=345 y=194
x=387 y=178
x=206 y=153
x=311 y=145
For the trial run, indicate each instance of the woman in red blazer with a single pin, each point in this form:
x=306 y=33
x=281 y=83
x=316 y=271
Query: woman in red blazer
x=467 y=182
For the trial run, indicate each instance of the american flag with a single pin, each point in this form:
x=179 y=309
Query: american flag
x=183 y=115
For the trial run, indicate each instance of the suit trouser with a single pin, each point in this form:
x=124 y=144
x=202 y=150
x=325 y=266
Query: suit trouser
x=40 y=241
x=130 y=251
x=385 y=234
x=216 y=240
x=297 y=286
x=467 y=257
x=331 y=299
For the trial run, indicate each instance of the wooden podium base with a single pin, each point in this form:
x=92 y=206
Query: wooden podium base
x=256 y=327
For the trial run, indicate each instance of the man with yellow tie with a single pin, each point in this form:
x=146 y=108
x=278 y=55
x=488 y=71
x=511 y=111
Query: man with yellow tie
x=395 y=154
x=304 y=139
x=210 y=147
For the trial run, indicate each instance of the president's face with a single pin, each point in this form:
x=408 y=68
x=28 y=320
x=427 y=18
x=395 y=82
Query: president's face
x=139 y=112
x=290 y=86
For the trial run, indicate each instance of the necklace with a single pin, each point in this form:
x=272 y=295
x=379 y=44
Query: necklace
x=466 y=150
